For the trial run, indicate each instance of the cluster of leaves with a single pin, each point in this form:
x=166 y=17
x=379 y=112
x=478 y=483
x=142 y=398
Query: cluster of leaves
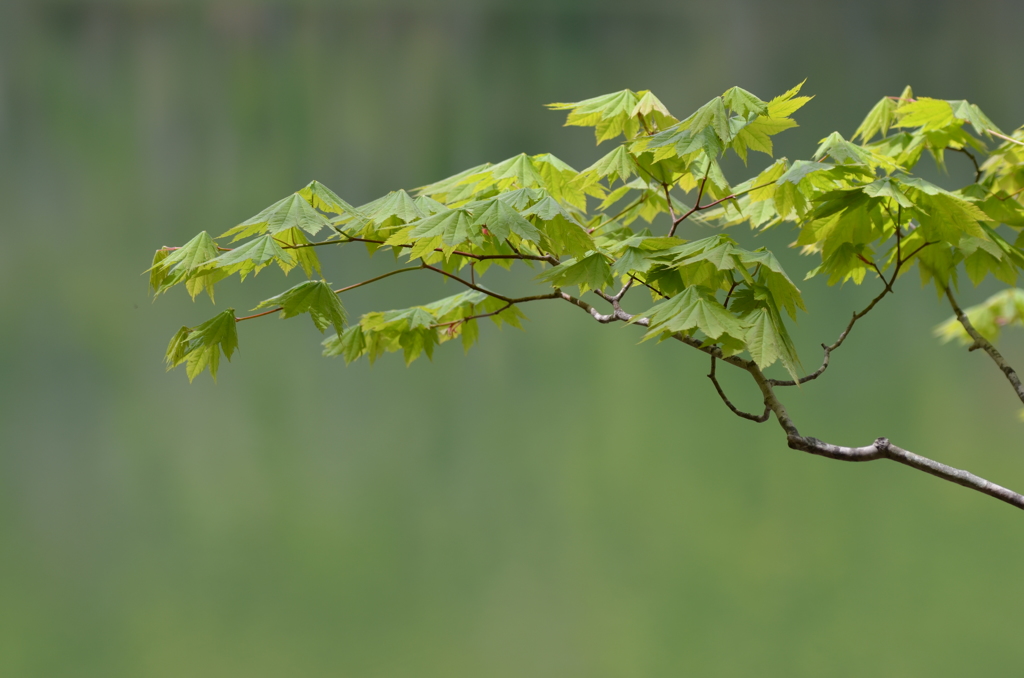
x=419 y=329
x=856 y=204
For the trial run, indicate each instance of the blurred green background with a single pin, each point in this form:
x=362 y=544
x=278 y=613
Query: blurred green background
x=560 y=502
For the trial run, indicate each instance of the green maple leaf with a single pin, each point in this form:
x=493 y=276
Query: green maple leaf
x=323 y=198
x=610 y=114
x=713 y=115
x=455 y=188
x=560 y=233
x=928 y=114
x=186 y=263
x=843 y=151
x=768 y=341
x=304 y=256
x=516 y=172
x=429 y=206
x=651 y=108
x=784 y=292
x=969 y=112
x=253 y=256
x=787 y=103
x=291 y=212
x=200 y=347
x=695 y=308
x=453 y=227
x=878 y=120
x=743 y=102
x=559 y=179
x=615 y=165
x=632 y=260
x=395 y=208
x=350 y=344
x=887 y=187
x=314 y=297
x=946 y=217
x=502 y=220
x=591 y=272
x=756 y=134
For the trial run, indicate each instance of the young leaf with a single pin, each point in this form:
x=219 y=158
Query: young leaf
x=254 y=256
x=323 y=198
x=652 y=110
x=502 y=220
x=928 y=114
x=395 y=208
x=695 y=308
x=878 y=120
x=184 y=264
x=200 y=347
x=591 y=272
x=767 y=340
x=946 y=217
x=560 y=233
x=787 y=103
x=610 y=114
x=615 y=165
x=453 y=227
x=314 y=297
x=305 y=256
x=455 y=188
x=743 y=102
x=291 y=212
x=350 y=344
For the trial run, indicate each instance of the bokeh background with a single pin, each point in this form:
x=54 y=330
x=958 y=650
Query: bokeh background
x=560 y=502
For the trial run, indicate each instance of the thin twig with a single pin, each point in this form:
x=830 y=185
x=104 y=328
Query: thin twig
x=1003 y=136
x=379 y=277
x=696 y=204
x=475 y=317
x=663 y=296
x=700 y=208
x=974 y=161
x=343 y=289
x=739 y=413
x=856 y=316
x=557 y=294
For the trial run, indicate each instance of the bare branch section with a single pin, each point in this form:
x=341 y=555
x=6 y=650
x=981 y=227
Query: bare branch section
x=985 y=345
x=883 y=449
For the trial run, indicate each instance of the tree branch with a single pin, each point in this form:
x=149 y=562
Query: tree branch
x=880 y=449
x=696 y=204
x=700 y=208
x=883 y=449
x=739 y=413
x=984 y=344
